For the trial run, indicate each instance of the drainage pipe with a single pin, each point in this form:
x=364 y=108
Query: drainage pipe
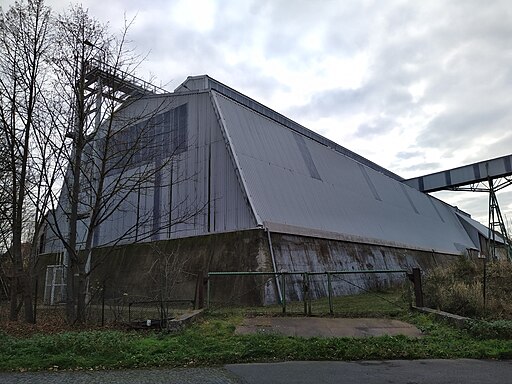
x=276 y=277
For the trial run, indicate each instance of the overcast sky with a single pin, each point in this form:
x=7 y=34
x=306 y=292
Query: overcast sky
x=415 y=86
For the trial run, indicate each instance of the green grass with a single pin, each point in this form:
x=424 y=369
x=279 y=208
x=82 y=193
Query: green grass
x=374 y=304
x=212 y=341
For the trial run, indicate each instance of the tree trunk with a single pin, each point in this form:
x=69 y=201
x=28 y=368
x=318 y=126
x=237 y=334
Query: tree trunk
x=13 y=313
x=27 y=298
x=81 y=294
x=70 y=292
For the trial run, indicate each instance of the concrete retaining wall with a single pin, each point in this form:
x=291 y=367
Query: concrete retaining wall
x=299 y=253
x=139 y=271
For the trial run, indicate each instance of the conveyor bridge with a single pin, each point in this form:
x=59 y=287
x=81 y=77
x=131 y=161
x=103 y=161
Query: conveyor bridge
x=488 y=176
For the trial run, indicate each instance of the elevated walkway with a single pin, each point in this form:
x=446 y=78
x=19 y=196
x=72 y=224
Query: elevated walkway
x=466 y=175
x=488 y=176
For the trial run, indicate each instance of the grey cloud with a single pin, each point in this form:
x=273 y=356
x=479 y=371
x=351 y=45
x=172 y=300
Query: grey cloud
x=461 y=126
x=423 y=167
x=460 y=50
x=476 y=204
x=370 y=99
x=491 y=150
x=405 y=155
x=375 y=127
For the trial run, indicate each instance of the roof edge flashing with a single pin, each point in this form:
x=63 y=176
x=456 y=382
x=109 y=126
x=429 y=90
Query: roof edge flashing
x=205 y=82
x=317 y=233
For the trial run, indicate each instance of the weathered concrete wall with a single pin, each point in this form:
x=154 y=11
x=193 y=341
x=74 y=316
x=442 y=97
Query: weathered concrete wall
x=299 y=253
x=138 y=271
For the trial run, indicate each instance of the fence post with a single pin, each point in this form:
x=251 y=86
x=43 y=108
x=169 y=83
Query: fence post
x=310 y=298
x=208 y=291
x=306 y=295
x=415 y=277
x=199 y=294
x=103 y=305
x=35 y=299
x=283 y=291
x=329 y=293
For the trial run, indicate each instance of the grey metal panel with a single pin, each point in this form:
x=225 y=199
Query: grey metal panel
x=478 y=227
x=294 y=178
x=343 y=202
x=204 y=171
x=204 y=82
x=234 y=156
x=468 y=174
x=193 y=83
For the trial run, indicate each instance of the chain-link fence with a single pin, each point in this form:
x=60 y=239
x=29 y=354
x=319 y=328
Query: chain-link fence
x=108 y=304
x=340 y=293
x=311 y=293
x=113 y=304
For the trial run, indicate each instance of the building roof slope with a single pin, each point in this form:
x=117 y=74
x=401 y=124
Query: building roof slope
x=299 y=185
x=205 y=82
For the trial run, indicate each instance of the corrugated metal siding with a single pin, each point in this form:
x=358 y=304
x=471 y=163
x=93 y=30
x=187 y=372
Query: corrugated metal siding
x=199 y=184
x=289 y=180
x=204 y=82
x=343 y=200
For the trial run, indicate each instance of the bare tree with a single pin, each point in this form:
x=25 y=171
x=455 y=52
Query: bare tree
x=115 y=146
x=23 y=46
x=5 y=192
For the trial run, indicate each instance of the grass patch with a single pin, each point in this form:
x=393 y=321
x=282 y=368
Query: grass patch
x=498 y=329
x=393 y=303
x=212 y=341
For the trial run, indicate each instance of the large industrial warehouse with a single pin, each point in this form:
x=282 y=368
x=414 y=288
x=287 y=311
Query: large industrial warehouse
x=248 y=189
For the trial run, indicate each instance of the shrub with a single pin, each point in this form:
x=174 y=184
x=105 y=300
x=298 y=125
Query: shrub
x=499 y=329
x=458 y=288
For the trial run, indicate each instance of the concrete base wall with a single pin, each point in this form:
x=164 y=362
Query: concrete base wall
x=142 y=271
x=299 y=253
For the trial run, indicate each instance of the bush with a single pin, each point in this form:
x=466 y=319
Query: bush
x=458 y=288
x=499 y=329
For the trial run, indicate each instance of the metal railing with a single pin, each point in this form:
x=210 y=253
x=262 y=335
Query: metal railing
x=306 y=292
x=156 y=309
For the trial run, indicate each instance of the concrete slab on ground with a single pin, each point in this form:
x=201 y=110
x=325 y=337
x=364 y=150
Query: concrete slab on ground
x=327 y=327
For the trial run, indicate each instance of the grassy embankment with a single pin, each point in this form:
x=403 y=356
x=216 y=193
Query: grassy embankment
x=212 y=341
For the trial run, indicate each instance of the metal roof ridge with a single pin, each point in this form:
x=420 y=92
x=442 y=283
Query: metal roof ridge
x=213 y=84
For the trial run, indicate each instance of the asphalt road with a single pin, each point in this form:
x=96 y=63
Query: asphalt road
x=363 y=372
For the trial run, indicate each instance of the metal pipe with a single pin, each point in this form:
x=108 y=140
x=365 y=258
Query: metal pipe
x=279 y=291
x=248 y=273
x=362 y=271
x=245 y=273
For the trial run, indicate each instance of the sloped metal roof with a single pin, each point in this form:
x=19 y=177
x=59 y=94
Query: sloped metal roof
x=479 y=227
x=299 y=185
x=205 y=82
